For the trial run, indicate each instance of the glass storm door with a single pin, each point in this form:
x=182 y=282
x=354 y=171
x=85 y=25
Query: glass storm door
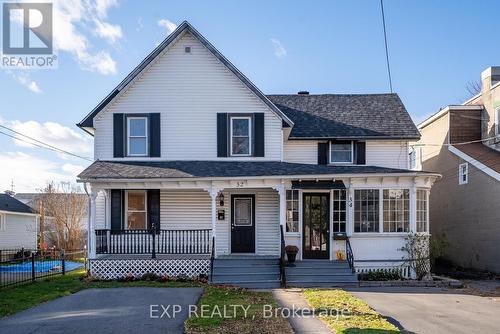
x=243 y=224
x=315 y=220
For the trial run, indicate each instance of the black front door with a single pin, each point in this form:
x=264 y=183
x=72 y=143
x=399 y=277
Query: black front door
x=243 y=224
x=316 y=217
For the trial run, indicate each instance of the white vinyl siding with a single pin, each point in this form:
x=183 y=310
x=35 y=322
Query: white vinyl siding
x=100 y=212
x=185 y=209
x=188 y=89
x=20 y=231
x=393 y=154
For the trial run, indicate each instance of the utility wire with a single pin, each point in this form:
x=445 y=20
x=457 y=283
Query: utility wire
x=386 y=48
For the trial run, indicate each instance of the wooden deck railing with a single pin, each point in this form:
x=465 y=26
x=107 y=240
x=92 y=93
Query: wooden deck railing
x=144 y=241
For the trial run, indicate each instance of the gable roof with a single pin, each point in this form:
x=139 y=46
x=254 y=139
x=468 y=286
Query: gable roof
x=348 y=116
x=88 y=121
x=9 y=203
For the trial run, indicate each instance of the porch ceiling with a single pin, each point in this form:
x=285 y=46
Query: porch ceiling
x=222 y=169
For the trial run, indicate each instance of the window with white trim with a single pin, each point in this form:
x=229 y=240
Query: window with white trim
x=463 y=173
x=396 y=210
x=136 y=209
x=339 y=210
x=292 y=211
x=421 y=210
x=366 y=210
x=3 y=226
x=241 y=135
x=341 y=152
x=137 y=136
x=497 y=121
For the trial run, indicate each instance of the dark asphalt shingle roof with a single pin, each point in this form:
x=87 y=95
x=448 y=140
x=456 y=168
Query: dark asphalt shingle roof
x=9 y=203
x=347 y=116
x=202 y=169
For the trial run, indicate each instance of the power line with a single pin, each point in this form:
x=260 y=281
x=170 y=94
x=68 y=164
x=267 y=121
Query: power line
x=386 y=48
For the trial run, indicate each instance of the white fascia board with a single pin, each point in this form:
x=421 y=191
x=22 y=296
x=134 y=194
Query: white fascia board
x=20 y=213
x=475 y=163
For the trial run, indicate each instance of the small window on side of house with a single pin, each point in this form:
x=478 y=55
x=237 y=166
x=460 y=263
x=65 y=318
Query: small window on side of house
x=413 y=159
x=463 y=173
x=3 y=226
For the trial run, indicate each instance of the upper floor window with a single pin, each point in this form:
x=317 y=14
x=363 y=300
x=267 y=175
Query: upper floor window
x=292 y=210
x=241 y=136
x=2 y=222
x=463 y=173
x=136 y=209
x=137 y=136
x=341 y=152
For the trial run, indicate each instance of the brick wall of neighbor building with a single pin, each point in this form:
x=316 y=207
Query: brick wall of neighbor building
x=465 y=125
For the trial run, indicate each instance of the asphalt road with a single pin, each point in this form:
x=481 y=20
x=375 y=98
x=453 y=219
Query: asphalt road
x=434 y=310
x=120 y=310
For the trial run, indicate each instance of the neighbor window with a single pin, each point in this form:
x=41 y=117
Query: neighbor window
x=2 y=222
x=136 y=210
x=339 y=210
x=463 y=173
x=497 y=122
x=292 y=211
x=421 y=210
x=413 y=159
x=241 y=137
x=341 y=152
x=396 y=210
x=137 y=136
x=366 y=210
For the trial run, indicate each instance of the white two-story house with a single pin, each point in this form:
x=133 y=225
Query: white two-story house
x=196 y=167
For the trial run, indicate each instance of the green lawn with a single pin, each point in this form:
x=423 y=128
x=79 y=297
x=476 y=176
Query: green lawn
x=17 y=298
x=252 y=321
x=359 y=317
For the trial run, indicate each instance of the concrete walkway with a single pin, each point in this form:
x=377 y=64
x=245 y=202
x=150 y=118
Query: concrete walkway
x=120 y=310
x=292 y=299
x=434 y=310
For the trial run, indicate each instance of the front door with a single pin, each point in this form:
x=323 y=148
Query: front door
x=243 y=224
x=315 y=221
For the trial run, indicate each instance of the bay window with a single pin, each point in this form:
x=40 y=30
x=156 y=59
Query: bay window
x=241 y=136
x=396 y=210
x=421 y=210
x=292 y=211
x=136 y=210
x=366 y=210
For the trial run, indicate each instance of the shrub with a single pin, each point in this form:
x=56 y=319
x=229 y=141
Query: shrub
x=149 y=277
x=416 y=248
x=381 y=275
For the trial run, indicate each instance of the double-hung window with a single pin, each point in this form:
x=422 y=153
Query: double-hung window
x=463 y=173
x=241 y=136
x=136 y=209
x=137 y=136
x=366 y=210
x=396 y=210
x=292 y=211
x=341 y=152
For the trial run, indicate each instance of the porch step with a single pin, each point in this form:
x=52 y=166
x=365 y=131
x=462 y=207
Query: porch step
x=320 y=273
x=247 y=272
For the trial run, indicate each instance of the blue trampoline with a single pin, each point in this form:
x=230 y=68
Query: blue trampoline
x=42 y=266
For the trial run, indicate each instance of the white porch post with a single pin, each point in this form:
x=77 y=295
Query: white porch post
x=214 y=191
x=413 y=208
x=91 y=233
x=282 y=194
x=350 y=209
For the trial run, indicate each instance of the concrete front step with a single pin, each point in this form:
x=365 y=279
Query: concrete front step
x=246 y=277
x=322 y=277
x=298 y=270
x=246 y=262
x=295 y=284
x=261 y=284
x=246 y=270
x=320 y=264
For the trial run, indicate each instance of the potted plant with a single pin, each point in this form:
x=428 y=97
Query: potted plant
x=291 y=253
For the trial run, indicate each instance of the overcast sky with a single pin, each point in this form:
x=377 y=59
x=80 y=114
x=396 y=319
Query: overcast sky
x=435 y=48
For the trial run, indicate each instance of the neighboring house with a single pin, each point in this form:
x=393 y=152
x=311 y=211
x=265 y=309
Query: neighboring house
x=188 y=147
x=18 y=224
x=462 y=143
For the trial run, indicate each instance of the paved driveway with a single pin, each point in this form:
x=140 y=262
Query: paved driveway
x=434 y=310
x=121 y=310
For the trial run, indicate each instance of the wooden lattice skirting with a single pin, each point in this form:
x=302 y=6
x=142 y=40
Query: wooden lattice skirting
x=113 y=269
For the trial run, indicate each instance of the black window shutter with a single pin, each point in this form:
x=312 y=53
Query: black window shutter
x=154 y=135
x=222 y=134
x=360 y=152
x=154 y=209
x=118 y=135
x=116 y=209
x=322 y=153
x=258 y=134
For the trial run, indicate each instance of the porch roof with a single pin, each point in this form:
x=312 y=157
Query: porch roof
x=222 y=169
